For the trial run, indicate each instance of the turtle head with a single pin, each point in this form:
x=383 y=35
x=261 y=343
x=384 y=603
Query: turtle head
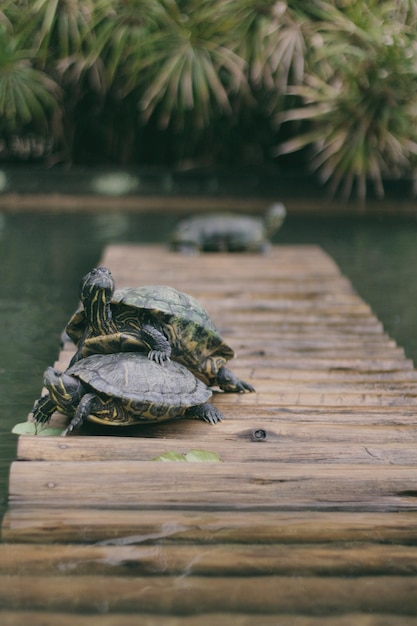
x=65 y=390
x=96 y=291
x=97 y=283
x=274 y=218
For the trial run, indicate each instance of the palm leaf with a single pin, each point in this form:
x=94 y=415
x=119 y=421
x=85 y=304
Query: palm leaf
x=27 y=94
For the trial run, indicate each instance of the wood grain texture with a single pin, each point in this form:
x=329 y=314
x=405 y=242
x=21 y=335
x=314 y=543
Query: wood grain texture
x=130 y=527
x=255 y=486
x=198 y=594
x=42 y=618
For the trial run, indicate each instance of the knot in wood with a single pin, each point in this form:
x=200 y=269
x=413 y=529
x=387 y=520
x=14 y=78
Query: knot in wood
x=259 y=435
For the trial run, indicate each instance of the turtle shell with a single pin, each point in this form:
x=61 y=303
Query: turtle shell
x=220 y=231
x=147 y=390
x=186 y=323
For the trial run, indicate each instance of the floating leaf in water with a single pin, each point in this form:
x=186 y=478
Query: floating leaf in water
x=30 y=428
x=199 y=456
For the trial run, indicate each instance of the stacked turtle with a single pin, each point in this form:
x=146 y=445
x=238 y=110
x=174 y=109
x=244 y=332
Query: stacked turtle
x=143 y=354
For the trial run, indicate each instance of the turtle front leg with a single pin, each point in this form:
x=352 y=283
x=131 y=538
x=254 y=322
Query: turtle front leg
x=83 y=411
x=158 y=344
x=206 y=412
x=43 y=409
x=230 y=383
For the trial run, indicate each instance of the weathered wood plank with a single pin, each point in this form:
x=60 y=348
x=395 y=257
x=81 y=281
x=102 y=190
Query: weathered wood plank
x=147 y=527
x=261 y=442
x=40 y=618
x=298 y=307
x=365 y=559
x=317 y=364
x=328 y=398
x=121 y=619
x=147 y=484
x=329 y=376
x=197 y=594
x=296 y=424
x=283 y=259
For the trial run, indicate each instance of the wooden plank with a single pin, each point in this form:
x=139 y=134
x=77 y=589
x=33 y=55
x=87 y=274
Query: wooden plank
x=129 y=527
x=283 y=259
x=41 y=618
x=335 y=288
x=242 y=425
x=330 y=376
x=365 y=559
x=248 y=303
x=147 y=484
x=198 y=594
x=261 y=442
x=341 y=388
x=330 y=398
x=341 y=363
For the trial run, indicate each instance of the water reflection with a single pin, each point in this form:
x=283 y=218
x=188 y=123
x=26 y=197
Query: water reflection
x=110 y=226
x=43 y=255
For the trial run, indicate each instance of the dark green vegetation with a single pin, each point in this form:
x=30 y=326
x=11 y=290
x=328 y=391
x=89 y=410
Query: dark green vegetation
x=204 y=82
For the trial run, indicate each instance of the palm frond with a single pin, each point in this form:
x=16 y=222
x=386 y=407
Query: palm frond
x=28 y=94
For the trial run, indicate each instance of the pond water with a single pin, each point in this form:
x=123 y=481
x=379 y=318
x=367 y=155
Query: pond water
x=43 y=255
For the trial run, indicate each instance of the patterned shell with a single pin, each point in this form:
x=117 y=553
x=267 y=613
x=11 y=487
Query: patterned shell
x=133 y=378
x=167 y=305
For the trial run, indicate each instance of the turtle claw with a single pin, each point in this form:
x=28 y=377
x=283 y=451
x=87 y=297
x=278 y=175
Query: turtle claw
x=211 y=414
x=243 y=386
x=230 y=383
x=158 y=357
x=43 y=409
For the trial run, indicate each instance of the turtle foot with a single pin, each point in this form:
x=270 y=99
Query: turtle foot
x=211 y=414
x=43 y=409
x=158 y=356
x=231 y=383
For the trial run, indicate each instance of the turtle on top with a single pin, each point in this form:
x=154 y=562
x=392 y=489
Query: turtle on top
x=123 y=389
x=228 y=232
x=158 y=319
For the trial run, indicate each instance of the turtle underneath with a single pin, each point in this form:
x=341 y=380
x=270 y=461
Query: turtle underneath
x=124 y=389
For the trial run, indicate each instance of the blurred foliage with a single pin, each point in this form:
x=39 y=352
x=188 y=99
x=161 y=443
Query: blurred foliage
x=216 y=82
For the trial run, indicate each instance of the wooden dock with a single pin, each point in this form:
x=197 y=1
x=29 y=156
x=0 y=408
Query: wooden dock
x=310 y=518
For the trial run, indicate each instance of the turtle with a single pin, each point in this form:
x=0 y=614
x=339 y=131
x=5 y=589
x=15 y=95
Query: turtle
x=122 y=389
x=227 y=232
x=156 y=319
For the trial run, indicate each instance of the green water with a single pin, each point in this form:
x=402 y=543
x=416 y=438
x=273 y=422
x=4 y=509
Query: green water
x=43 y=256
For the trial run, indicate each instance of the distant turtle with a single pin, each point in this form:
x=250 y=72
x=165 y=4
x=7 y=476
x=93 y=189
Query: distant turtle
x=227 y=232
x=123 y=389
x=156 y=319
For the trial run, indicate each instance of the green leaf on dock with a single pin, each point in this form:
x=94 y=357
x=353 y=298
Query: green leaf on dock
x=46 y=431
x=202 y=456
x=30 y=428
x=24 y=428
x=199 y=456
